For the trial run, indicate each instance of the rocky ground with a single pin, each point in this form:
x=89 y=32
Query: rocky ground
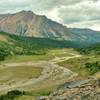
x=88 y=89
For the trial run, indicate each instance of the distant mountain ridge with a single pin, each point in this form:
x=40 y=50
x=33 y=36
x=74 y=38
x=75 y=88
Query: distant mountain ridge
x=28 y=24
x=86 y=34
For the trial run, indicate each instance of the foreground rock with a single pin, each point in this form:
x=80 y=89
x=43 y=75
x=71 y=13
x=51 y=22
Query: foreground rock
x=76 y=90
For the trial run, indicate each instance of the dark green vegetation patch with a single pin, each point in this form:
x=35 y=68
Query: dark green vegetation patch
x=93 y=49
x=93 y=67
x=11 y=95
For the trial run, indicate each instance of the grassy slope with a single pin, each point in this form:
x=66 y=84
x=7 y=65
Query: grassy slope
x=11 y=45
x=20 y=72
x=78 y=64
x=49 y=55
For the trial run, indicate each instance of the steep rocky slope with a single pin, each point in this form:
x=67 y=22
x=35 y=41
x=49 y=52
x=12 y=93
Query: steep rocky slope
x=27 y=23
x=76 y=90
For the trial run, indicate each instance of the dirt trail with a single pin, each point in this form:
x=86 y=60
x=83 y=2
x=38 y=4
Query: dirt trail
x=51 y=70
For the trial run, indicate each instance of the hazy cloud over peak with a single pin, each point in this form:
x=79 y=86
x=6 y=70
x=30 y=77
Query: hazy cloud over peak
x=73 y=13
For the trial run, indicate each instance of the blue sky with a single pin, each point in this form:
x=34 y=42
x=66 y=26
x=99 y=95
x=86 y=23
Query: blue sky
x=73 y=13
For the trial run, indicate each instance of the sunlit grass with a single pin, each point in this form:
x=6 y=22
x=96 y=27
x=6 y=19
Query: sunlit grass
x=19 y=72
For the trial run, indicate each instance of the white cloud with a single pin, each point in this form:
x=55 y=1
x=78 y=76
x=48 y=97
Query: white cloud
x=76 y=13
x=9 y=6
x=95 y=24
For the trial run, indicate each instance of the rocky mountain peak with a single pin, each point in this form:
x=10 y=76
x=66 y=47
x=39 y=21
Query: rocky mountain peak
x=27 y=23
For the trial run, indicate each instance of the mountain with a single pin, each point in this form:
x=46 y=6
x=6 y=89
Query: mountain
x=86 y=34
x=28 y=24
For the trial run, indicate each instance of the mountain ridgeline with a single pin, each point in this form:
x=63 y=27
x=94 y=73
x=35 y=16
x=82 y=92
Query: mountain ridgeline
x=86 y=35
x=26 y=23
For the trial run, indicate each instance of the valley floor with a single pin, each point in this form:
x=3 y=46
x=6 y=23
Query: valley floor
x=37 y=74
x=50 y=72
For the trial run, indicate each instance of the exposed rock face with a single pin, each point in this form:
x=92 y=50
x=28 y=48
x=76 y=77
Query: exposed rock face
x=26 y=23
x=78 y=90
